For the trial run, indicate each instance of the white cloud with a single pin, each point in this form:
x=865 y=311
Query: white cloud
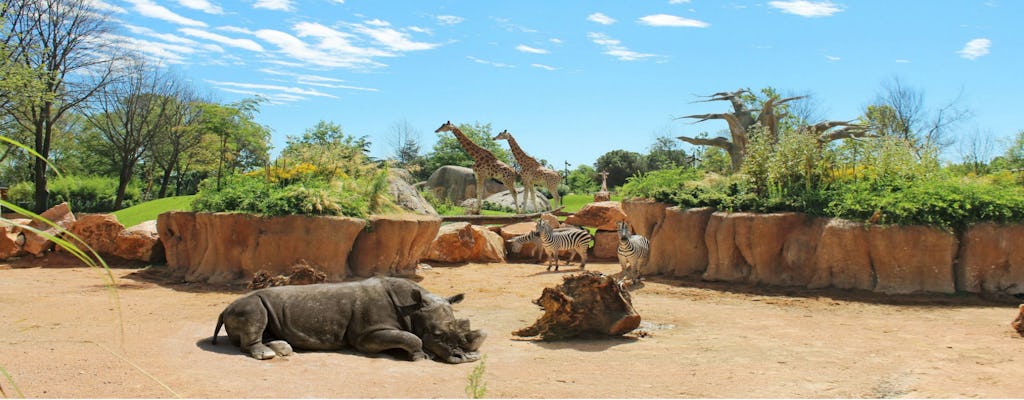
x=273 y=88
x=150 y=9
x=678 y=1
x=555 y=40
x=902 y=61
x=316 y=80
x=533 y=50
x=104 y=6
x=975 y=48
x=167 y=37
x=672 y=21
x=615 y=48
x=600 y=18
x=157 y=51
x=832 y=58
x=278 y=5
x=332 y=49
x=545 y=67
x=393 y=39
x=491 y=63
x=239 y=43
x=449 y=19
x=806 y=8
x=202 y=5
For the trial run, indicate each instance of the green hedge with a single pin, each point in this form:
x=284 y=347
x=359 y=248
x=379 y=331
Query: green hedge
x=83 y=194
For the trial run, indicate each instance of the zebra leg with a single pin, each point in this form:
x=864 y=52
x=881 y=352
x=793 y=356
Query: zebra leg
x=583 y=257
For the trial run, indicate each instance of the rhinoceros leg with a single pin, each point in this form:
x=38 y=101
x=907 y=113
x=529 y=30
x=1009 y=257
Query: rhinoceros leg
x=245 y=322
x=378 y=341
x=280 y=347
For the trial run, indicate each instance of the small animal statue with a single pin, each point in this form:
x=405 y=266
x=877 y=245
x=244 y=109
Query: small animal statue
x=633 y=252
x=485 y=166
x=576 y=240
x=515 y=245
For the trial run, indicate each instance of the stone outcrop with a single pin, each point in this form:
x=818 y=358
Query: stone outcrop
x=392 y=245
x=606 y=245
x=405 y=195
x=843 y=258
x=12 y=240
x=603 y=215
x=504 y=199
x=458 y=184
x=228 y=247
x=463 y=242
x=98 y=231
x=912 y=259
x=991 y=259
x=140 y=242
x=59 y=215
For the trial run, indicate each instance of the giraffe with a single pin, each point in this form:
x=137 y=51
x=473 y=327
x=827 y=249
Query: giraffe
x=531 y=172
x=485 y=166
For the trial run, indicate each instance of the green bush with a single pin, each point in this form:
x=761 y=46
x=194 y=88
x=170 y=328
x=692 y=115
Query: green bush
x=83 y=194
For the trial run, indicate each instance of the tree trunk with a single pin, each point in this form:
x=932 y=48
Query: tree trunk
x=586 y=304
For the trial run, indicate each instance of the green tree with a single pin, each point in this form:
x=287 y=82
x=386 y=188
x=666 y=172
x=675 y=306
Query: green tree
x=666 y=153
x=583 y=180
x=1014 y=157
x=447 y=150
x=620 y=164
x=327 y=147
x=243 y=145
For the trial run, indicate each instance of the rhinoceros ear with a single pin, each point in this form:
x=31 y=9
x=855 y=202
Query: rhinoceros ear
x=417 y=303
x=456 y=298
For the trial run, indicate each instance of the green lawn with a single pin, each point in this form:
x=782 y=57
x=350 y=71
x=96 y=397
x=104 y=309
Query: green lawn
x=572 y=203
x=149 y=210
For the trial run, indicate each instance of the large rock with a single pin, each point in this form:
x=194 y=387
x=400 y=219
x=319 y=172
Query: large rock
x=463 y=242
x=12 y=240
x=140 y=242
x=504 y=199
x=458 y=183
x=604 y=216
x=761 y=248
x=232 y=247
x=643 y=216
x=842 y=257
x=725 y=262
x=392 y=245
x=677 y=244
x=991 y=259
x=405 y=195
x=606 y=245
x=99 y=231
x=59 y=215
x=911 y=259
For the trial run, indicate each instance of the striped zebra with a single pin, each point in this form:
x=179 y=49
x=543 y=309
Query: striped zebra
x=633 y=252
x=552 y=241
x=515 y=245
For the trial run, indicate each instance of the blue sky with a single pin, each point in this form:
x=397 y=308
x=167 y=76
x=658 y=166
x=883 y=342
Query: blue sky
x=572 y=80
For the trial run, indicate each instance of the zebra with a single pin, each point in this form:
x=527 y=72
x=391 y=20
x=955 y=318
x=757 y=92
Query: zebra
x=515 y=245
x=552 y=241
x=633 y=252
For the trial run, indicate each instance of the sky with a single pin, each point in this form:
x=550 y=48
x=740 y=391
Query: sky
x=572 y=80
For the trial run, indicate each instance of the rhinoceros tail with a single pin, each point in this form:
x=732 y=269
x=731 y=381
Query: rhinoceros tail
x=216 y=331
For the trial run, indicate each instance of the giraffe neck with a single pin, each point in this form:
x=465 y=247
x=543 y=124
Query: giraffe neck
x=524 y=160
x=475 y=151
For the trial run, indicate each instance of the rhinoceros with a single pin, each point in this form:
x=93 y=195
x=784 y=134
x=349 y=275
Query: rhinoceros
x=372 y=316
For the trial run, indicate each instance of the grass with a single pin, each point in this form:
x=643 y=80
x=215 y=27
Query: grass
x=575 y=202
x=133 y=215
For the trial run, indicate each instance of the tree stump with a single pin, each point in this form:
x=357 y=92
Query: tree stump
x=585 y=304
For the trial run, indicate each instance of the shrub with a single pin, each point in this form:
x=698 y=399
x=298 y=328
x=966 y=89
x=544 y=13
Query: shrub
x=83 y=194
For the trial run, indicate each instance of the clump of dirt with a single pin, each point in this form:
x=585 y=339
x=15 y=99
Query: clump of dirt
x=300 y=274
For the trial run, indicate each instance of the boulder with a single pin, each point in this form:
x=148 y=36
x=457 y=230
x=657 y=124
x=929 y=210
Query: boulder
x=606 y=245
x=405 y=195
x=458 y=183
x=59 y=215
x=463 y=242
x=643 y=216
x=603 y=215
x=677 y=243
x=551 y=219
x=842 y=257
x=140 y=242
x=602 y=196
x=913 y=258
x=761 y=248
x=232 y=247
x=99 y=231
x=725 y=262
x=392 y=245
x=991 y=259
x=504 y=199
x=12 y=240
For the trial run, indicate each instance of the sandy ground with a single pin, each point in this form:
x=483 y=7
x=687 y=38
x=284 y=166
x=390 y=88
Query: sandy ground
x=64 y=334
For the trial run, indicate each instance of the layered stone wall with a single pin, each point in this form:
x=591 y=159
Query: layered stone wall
x=793 y=249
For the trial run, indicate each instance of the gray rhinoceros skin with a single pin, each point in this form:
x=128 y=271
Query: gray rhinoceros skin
x=372 y=315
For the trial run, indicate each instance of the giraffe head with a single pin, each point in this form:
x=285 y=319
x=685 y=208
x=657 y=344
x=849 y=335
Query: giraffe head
x=446 y=127
x=504 y=135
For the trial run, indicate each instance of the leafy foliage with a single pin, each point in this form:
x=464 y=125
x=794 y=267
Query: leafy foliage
x=83 y=194
x=447 y=150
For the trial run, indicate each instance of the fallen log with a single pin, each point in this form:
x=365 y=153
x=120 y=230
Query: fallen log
x=496 y=219
x=585 y=304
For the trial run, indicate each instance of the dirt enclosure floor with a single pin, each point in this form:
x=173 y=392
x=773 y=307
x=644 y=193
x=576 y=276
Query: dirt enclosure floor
x=64 y=334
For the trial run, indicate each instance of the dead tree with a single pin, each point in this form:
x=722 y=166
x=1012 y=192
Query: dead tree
x=743 y=123
x=585 y=304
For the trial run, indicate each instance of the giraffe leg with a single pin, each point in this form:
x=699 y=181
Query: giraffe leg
x=515 y=197
x=479 y=193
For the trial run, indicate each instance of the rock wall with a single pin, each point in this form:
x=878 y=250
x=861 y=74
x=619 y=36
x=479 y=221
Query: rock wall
x=229 y=247
x=392 y=245
x=793 y=249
